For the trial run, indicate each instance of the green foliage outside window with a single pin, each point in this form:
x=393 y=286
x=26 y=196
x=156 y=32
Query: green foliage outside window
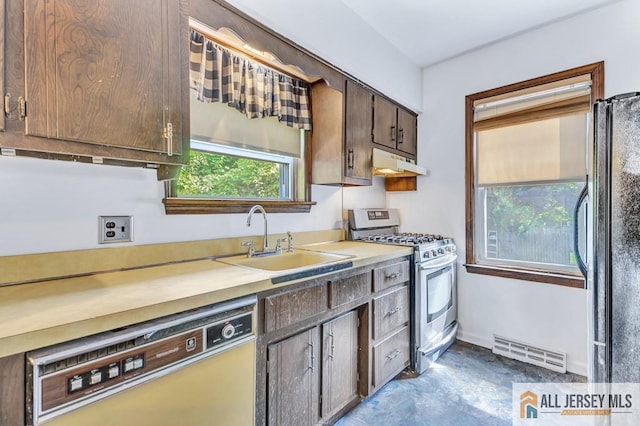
x=224 y=176
x=531 y=223
x=528 y=208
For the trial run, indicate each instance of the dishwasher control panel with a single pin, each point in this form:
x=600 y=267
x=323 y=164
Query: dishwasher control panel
x=222 y=332
x=73 y=374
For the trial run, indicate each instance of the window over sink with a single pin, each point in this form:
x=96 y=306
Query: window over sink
x=248 y=124
x=527 y=160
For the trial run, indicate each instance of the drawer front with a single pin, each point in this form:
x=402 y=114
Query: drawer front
x=281 y=310
x=390 y=357
x=388 y=276
x=346 y=290
x=390 y=311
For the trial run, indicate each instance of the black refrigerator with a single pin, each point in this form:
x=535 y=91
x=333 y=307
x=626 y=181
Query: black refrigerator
x=614 y=268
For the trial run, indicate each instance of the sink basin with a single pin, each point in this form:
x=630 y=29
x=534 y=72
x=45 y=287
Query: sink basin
x=286 y=261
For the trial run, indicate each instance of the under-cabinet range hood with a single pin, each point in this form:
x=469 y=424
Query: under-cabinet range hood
x=393 y=165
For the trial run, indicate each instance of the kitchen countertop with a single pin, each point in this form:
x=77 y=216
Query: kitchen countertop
x=49 y=312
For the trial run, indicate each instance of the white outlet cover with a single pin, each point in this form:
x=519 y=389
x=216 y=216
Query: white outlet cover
x=115 y=229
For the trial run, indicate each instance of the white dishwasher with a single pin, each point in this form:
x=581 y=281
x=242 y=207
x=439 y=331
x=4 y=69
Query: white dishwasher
x=192 y=368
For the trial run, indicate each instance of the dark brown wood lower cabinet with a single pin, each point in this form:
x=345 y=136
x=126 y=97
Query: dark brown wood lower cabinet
x=12 y=390
x=339 y=363
x=293 y=382
x=296 y=365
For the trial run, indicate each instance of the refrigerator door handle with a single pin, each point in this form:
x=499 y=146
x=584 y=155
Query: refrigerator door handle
x=576 y=249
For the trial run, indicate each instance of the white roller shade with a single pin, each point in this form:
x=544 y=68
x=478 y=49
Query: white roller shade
x=537 y=151
x=217 y=123
x=536 y=134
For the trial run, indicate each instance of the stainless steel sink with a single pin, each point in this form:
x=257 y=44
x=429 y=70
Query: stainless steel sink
x=298 y=259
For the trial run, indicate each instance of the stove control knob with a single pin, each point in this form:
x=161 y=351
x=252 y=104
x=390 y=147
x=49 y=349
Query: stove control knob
x=434 y=253
x=228 y=331
x=441 y=251
x=425 y=255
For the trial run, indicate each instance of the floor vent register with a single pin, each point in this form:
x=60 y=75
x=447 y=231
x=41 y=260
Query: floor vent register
x=553 y=360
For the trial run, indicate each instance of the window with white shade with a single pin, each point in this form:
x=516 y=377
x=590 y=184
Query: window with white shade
x=233 y=157
x=527 y=161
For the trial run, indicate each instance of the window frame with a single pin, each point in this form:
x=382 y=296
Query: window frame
x=287 y=173
x=596 y=71
x=204 y=205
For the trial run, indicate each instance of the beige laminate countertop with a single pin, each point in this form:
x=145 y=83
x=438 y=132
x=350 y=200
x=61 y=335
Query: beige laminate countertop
x=49 y=312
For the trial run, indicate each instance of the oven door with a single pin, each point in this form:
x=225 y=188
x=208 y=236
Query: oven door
x=435 y=299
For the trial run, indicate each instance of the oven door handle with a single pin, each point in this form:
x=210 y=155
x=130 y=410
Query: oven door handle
x=446 y=261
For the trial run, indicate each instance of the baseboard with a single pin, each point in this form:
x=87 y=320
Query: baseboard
x=475 y=339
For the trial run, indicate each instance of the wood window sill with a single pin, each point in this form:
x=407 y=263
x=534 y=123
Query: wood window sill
x=174 y=205
x=566 y=280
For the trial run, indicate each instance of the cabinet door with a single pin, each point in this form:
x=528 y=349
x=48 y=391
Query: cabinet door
x=384 y=122
x=293 y=390
x=407 y=132
x=104 y=72
x=339 y=363
x=12 y=390
x=2 y=35
x=358 y=122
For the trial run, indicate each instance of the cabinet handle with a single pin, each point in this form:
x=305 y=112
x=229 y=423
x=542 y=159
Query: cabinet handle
x=393 y=133
x=312 y=358
x=332 y=346
x=392 y=276
x=168 y=135
x=394 y=311
x=401 y=136
x=350 y=159
x=393 y=355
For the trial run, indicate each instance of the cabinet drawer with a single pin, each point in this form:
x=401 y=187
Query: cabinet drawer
x=390 y=356
x=346 y=290
x=281 y=310
x=388 y=276
x=390 y=311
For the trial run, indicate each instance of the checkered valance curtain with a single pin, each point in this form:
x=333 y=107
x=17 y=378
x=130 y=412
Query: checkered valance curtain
x=220 y=75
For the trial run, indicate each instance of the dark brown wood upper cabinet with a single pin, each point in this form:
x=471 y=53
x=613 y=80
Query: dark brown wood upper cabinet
x=2 y=36
x=357 y=140
x=385 y=122
x=407 y=132
x=394 y=127
x=341 y=135
x=107 y=73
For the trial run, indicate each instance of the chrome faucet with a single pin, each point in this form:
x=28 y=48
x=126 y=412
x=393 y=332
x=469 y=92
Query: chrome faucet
x=264 y=216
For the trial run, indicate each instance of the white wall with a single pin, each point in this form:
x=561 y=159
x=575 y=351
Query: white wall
x=51 y=205
x=547 y=315
x=334 y=32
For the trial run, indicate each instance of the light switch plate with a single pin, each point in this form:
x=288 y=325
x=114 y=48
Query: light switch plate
x=115 y=229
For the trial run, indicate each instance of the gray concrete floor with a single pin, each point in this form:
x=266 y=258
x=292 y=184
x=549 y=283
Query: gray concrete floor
x=468 y=385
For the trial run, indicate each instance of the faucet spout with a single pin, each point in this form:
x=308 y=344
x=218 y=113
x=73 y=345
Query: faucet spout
x=259 y=208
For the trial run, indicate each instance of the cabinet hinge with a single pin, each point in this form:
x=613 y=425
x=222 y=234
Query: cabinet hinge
x=167 y=133
x=9 y=152
x=7 y=105
x=21 y=107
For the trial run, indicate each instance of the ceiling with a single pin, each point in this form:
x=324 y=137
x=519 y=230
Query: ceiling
x=430 y=31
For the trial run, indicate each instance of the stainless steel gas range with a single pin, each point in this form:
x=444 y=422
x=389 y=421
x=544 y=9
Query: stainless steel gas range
x=433 y=284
